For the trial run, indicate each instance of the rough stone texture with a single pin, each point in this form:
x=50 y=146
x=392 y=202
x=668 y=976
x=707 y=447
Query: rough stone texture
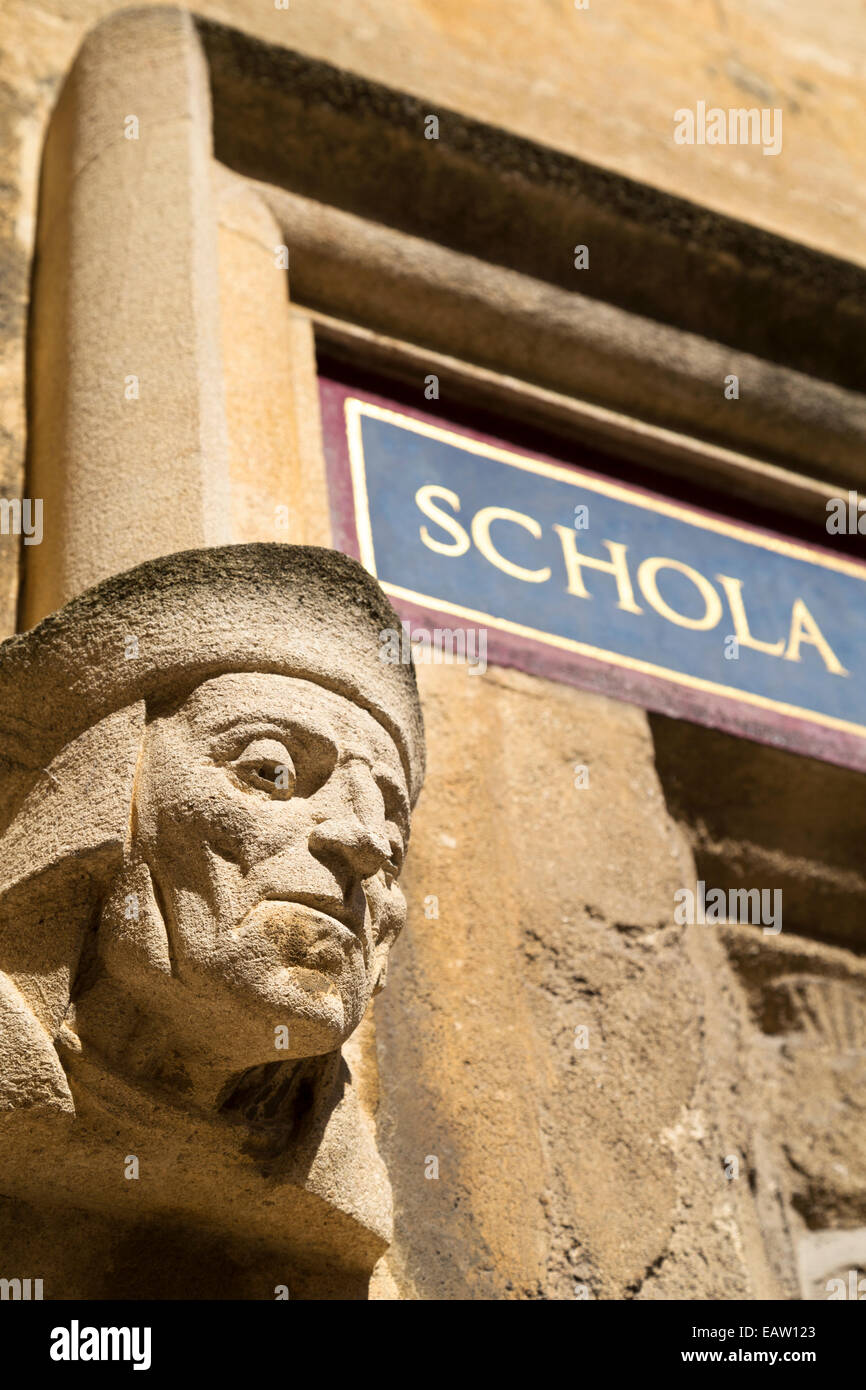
x=560 y=1169
x=194 y=916
x=761 y=816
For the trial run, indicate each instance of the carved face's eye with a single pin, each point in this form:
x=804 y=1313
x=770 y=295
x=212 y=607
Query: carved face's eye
x=266 y=765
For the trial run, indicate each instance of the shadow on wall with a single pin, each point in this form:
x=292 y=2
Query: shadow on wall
x=761 y=818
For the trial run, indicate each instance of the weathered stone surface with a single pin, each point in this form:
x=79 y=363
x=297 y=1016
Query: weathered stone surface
x=760 y=816
x=562 y=1171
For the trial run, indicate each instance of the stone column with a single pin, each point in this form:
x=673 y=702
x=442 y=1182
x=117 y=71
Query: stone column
x=129 y=443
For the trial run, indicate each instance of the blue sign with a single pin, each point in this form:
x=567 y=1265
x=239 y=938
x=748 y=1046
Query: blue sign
x=657 y=593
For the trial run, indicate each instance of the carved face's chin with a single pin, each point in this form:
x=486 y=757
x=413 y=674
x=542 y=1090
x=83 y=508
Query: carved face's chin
x=305 y=969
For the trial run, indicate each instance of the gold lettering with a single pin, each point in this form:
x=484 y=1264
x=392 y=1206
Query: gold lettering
x=646 y=578
x=805 y=629
x=734 y=592
x=481 y=523
x=616 y=566
x=424 y=498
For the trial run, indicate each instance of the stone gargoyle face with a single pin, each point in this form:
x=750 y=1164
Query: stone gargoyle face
x=269 y=824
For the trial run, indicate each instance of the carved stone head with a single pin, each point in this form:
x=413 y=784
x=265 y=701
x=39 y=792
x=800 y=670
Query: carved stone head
x=206 y=781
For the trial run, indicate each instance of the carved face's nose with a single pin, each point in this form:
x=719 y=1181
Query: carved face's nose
x=357 y=846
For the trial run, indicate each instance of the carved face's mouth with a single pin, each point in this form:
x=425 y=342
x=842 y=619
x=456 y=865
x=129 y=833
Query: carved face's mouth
x=337 y=914
x=305 y=937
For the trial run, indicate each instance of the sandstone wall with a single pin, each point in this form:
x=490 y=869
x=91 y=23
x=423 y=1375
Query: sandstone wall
x=561 y=1170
